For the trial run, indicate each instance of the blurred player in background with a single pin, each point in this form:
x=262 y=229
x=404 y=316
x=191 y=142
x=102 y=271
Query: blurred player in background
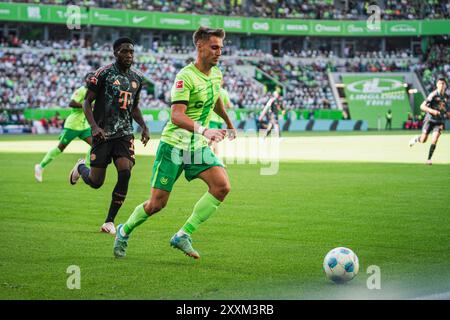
x=75 y=126
x=216 y=122
x=270 y=112
x=184 y=145
x=437 y=110
x=115 y=89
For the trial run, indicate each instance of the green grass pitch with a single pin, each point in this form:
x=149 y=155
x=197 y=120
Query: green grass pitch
x=267 y=241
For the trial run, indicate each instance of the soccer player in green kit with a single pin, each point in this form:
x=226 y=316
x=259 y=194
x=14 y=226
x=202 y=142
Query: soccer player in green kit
x=184 y=145
x=75 y=126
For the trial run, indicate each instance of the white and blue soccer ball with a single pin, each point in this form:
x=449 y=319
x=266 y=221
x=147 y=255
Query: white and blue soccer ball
x=341 y=265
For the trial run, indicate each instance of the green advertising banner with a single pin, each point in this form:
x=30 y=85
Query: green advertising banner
x=59 y=14
x=232 y=24
x=173 y=21
x=108 y=17
x=370 y=97
x=9 y=12
x=292 y=27
x=140 y=19
x=403 y=28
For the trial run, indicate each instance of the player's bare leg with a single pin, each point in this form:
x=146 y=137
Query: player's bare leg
x=218 y=182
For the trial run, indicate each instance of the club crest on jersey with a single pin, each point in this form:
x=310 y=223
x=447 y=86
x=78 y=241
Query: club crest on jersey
x=93 y=156
x=116 y=83
x=179 y=84
x=134 y=84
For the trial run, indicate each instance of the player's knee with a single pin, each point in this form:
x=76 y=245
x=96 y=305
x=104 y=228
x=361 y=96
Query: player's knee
x=221 y=191
x=124 y=176
x=61 y=147
x=95 y=185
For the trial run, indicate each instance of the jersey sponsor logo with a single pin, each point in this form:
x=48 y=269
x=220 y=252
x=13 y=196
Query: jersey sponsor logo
x=179 y=84
x=164 y=180
x=124 y=99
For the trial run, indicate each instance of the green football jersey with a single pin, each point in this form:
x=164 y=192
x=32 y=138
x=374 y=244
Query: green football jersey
x=199 y=93
x=225 y=99
x=76 y=119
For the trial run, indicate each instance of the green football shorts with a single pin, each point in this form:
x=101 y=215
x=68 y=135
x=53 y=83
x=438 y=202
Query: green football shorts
x=170 y=163
x=67 y=135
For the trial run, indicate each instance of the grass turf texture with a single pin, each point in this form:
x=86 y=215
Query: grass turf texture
x=267 y=241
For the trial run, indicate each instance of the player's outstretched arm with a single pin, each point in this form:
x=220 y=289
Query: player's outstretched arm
x=180 y=119
x=219 y=108
x=137 y=116
x=87 y=109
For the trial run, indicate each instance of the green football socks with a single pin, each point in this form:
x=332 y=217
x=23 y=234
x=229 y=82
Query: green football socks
x=203 y=209
x=51 y=154
x=138 y=217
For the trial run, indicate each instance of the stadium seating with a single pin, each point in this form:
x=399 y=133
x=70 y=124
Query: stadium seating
x=298 y=9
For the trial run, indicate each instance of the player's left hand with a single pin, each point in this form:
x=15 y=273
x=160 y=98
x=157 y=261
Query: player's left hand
x=232 y=133
x=145 y=136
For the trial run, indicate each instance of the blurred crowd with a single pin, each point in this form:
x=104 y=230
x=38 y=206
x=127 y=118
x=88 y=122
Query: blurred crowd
x=435 y=63
x=47 y=78
x=35 y=78
x=298 y=9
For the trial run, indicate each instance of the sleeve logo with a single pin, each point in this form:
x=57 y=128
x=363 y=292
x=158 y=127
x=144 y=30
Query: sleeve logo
x=179 y=84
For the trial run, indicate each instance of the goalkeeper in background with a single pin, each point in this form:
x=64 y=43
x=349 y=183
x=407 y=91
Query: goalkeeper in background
x=75 y=126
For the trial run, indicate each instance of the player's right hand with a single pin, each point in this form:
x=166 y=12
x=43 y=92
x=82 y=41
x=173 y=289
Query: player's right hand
x=98 y=133
x=215 y=134
x=436 y=113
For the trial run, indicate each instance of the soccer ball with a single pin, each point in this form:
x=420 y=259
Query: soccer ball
x=341 y=265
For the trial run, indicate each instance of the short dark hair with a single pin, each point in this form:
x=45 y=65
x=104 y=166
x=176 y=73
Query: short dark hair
x=442 y=78
x=120 y=41
x=89 y=75
x=204 y=33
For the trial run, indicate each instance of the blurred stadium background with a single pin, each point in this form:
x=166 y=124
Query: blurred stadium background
x=310 y=51
x=338 y=79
